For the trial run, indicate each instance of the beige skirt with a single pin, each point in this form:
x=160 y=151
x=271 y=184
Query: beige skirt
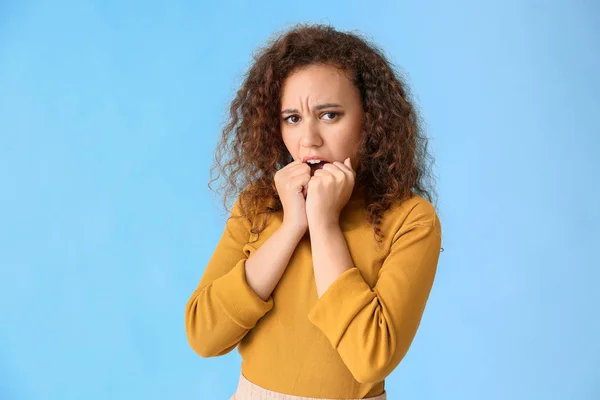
x=247 y=390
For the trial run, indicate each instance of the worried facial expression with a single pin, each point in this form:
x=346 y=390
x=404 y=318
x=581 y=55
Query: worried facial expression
x=321 y=116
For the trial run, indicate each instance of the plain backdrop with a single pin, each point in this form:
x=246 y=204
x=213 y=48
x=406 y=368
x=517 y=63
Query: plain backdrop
x=109 y=114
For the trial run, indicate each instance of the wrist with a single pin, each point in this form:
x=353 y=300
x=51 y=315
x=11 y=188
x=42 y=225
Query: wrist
x=324 y=225
x=294 y=231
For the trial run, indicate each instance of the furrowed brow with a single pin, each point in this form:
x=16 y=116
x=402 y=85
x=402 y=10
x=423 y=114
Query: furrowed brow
x=317 y=108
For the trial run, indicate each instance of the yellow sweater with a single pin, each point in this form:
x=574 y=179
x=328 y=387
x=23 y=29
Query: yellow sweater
x=342 y=345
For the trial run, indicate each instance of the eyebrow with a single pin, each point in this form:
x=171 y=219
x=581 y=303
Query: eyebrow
x=317 y=107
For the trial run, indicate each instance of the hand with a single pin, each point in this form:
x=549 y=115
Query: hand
x=291 y=182
x=329 y=190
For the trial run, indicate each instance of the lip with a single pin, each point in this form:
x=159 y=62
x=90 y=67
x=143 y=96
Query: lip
x=307 y=158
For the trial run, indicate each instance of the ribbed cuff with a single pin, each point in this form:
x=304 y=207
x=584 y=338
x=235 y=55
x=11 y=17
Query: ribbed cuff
x=238 y=299
x=340 y=303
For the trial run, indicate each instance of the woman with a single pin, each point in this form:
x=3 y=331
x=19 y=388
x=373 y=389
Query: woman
x=327 y=260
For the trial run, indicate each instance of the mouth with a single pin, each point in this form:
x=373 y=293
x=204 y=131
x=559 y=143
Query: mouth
x=315 y=164
x=314 y=167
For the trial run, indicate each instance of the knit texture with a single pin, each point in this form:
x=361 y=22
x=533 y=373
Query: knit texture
x=342 y=345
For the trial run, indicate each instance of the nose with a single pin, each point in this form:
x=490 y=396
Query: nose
x=311 y=136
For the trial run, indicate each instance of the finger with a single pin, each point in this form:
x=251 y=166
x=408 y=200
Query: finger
x=348 y=163
x=299 y=171
x=291 y=164
x=295 y=169
x=324 y=174
x=300 y=181
x=294 y=164
x=344 y=167
x=336 y=171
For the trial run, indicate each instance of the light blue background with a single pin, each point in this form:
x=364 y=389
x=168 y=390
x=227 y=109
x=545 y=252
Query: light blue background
x=109 y=115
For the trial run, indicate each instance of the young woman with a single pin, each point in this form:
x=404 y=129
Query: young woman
x=326 y=263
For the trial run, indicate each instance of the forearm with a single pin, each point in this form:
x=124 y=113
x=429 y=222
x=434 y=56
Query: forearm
x=266 y=265
x=330 y=254
x=372 y=327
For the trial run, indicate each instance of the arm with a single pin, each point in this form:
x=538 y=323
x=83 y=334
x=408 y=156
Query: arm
x=267 y=264
x=235 y=291
x=331 y=257
x=372 y=329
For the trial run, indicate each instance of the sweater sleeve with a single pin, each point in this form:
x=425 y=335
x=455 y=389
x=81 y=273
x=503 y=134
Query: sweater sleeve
x=372 y=329
x=224 y=308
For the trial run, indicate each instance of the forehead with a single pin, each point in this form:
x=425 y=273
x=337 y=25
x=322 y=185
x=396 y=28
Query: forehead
x=317 y=82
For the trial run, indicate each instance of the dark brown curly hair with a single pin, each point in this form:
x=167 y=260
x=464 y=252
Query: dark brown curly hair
x=394 y=162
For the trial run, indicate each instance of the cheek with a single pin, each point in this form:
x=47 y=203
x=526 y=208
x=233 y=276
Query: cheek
x=290 y=145
x=348 y=139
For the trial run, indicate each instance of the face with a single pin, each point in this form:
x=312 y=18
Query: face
x=321 y=115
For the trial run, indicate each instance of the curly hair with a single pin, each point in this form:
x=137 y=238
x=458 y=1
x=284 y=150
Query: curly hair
x=393 y=156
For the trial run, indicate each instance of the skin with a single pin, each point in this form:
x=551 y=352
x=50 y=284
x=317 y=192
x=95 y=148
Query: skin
x=332 y=132
x=312 y=202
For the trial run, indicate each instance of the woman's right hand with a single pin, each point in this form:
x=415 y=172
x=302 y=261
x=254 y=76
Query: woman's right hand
x=291 y=182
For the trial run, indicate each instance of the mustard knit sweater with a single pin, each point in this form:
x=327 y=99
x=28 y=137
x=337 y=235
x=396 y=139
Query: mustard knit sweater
x=342 y=345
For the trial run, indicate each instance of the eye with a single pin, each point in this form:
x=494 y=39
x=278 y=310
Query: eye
x=330 y=113
x=291 y=116
x=287 y=119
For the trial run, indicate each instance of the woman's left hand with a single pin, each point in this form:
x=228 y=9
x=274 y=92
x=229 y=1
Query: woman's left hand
x=329 y=189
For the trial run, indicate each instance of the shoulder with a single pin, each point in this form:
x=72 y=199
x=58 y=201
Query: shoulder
x=238 y=217
x=415 y=211
x=256 y=220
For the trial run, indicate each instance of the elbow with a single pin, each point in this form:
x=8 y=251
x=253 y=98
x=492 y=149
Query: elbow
x=199 y=342
x=198 y=333
x=204 y=343
x=209 y=346
x=202 y=351
x=202 y=347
